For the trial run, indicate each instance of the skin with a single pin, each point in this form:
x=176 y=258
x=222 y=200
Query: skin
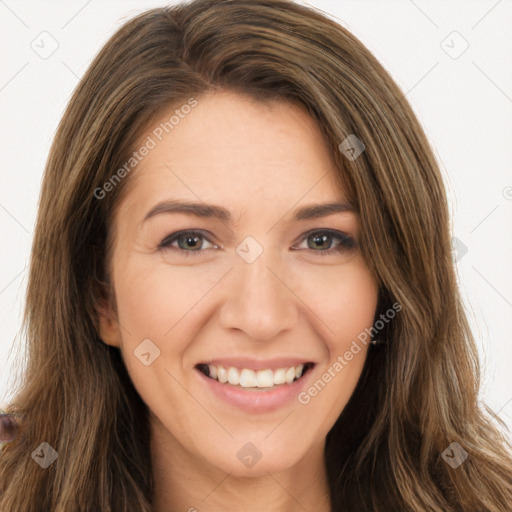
x=261 y=161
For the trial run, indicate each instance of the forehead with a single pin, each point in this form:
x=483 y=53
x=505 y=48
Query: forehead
x=235 y=150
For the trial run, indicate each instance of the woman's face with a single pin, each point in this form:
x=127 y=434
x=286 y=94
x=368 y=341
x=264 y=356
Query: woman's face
x=253 y=283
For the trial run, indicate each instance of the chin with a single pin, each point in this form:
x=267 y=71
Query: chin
x=256 y=459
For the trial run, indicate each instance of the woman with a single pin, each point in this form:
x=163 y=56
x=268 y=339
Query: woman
x=265 y=370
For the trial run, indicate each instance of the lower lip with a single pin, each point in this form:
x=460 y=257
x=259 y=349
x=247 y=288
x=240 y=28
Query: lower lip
x=255 y=400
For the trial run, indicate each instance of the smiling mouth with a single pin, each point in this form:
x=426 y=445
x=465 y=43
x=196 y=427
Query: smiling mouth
x=261 y=379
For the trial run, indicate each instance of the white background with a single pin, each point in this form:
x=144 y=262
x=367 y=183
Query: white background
x=463 y=103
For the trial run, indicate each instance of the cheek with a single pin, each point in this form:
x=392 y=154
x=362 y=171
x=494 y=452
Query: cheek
x=157 y=301
x=356 y=307
x=343 y=298
x=346 y=301
x=153 y=299
x=149 y=305
x=144 y=303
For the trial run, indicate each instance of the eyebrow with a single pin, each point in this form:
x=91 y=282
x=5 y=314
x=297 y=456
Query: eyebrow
x=218 y=212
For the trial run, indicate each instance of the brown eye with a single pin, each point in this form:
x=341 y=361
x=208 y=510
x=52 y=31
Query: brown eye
x=188 y=242
x=320 y=241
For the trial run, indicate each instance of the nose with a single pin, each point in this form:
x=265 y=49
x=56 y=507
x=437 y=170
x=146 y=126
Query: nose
x=259 y=300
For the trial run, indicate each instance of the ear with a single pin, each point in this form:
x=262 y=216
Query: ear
x=108 y=326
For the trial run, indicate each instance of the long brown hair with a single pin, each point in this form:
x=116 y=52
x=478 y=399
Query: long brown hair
x=418 y=393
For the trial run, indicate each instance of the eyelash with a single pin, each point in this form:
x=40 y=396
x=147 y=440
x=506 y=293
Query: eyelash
x=346 y=242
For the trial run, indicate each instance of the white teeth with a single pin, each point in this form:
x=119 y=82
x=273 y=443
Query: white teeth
x=290 y=375
x=247 y=378
x=265 y=379
x=222 y=375
x=280 y=376
x=233 y=376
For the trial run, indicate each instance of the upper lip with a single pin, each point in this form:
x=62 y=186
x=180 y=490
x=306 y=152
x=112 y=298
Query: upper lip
x=257 y=364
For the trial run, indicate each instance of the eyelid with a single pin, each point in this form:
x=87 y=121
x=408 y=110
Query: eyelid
x=168 y=240
x=346 y=240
